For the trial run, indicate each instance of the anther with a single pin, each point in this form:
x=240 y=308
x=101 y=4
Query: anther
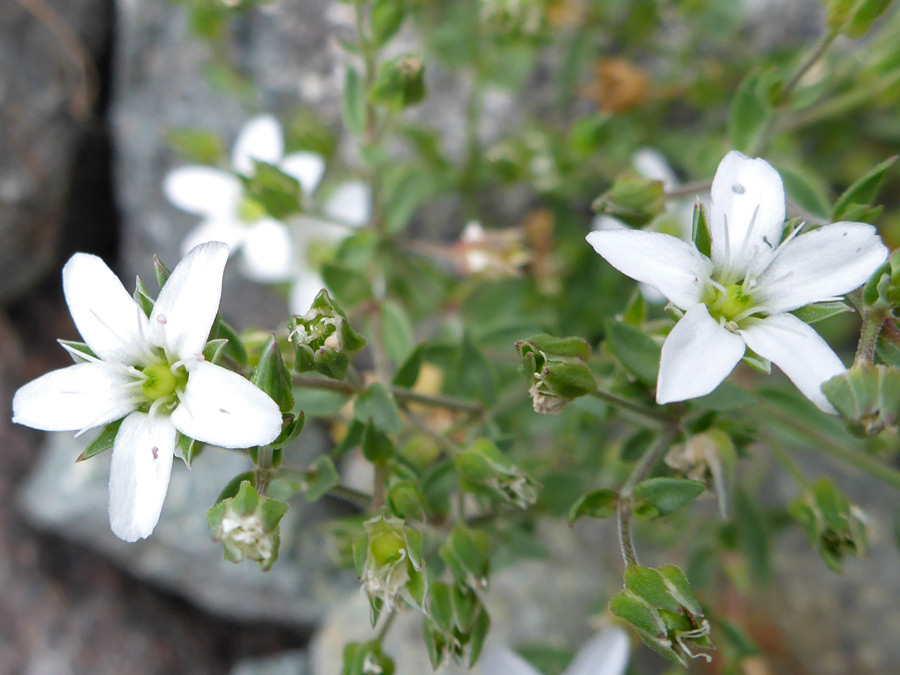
x=162 y=319
x=155 y=452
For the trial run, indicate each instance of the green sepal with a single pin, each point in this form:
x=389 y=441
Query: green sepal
x=142 y=296
x=633 y=199
x=377 y=446
x=861 y=194
x=79 y=351
x=700 y=229
x=103 y=442
x=214 y=349
x=821 y=311
x=400 y=82
x=291 y=429
x=161 y=271
x=246 y=500
x=188 y=448
x=235 y=349
x=231 y=488
x=272 y=376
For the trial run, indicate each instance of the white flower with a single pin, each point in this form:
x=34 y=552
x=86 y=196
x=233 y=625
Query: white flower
x=151 y=372
x=605 y=654
x=741 y=296
x=270 y=251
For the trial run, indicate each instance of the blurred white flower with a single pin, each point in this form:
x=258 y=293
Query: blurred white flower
x=150 y=373
x=605 y=654
x=271 y=251
x=742 y=295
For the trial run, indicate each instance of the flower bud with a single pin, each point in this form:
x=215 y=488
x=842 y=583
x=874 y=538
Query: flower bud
x=482 y=467
x=834 y=526
x=632 y=199
x=492 y=253
x=400 y=82
x=867 y=396
x=662 y=609
x=247 y=526
x=558 y=371
x=388 y=561
x=323 y=338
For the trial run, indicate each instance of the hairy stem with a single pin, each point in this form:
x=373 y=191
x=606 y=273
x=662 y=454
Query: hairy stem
x=641 y=470
x=872 y=323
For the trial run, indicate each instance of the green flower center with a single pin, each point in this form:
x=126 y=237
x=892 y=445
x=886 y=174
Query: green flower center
x=160 y=382
x=732 y=304
x=251 y=211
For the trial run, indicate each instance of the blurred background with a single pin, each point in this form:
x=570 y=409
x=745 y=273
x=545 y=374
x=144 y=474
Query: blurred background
x=99 y=99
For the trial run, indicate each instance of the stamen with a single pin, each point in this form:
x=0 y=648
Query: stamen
x=778 y=250
x=161 y=318
x=183 y=362
x=727 y=243
x=156 y=405
x=155 y=452
x=759 y=309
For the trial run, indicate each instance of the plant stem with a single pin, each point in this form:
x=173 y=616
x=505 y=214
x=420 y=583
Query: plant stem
x=386 y=626
x=263 y=472
x=636 y=408
x=823 y=441
x=402 y=394
x=641 y=470
x=689 y=189
x=379 y=483
x=818 y=50
x=873 y=321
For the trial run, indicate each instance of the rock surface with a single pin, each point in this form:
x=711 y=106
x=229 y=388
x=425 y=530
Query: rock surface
x=45 y=103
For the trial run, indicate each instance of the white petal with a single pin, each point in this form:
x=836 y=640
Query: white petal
x=227 y=229
x=259 y=139
x=696 y=356
x=306 y=286
x=106 y=316
x=202 y=190
x=798 y=350
x=268 y=255
x=605 y=654
x=672 y=266
x=187 y=305
x=502 y=661
x=222 y=408
x=822 y=264
x=79 y=397
x=653 y=165
x=306 y=167
x=747 y=214
x=350 y=203
x=139 y=474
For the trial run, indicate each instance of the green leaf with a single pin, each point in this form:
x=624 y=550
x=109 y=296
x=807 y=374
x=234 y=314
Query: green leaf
x=597 y=504
x=377 y=403
x=889 y=352
x=405 y=190
x=291 y=430
x=472 y=374
x=748 y=114
x=862 y=193
x=319 y=402
x=726 y=396
x=349 y=286
x=804 y=190
x=353 y=104
x=864 y=16
x=634 y=349
x=321 y=479
x=103 y=442
x=408 y=373
x=273 y=377
x=351 y=439
x=386 y=17
x=377 y=446
x=397 y=330
x=667 y=495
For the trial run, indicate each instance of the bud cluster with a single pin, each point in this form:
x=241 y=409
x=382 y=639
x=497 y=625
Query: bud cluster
x=323 y=338
x=247 y=526
x=557 y=368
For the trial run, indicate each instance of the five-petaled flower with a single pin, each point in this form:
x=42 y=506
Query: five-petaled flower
x=151 y=372
x=742 y=295
x=271 y=252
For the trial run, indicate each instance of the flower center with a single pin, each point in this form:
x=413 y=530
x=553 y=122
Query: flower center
x=387 y=548
x=250 y=210
x=730 y=304
x=160 y=382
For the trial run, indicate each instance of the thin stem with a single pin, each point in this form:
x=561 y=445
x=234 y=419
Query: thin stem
x=402 y=394
x=823 y=441
x=818 y=50
x=351 y=495
x=689 y=189
x=786 y=461
x=641 y=470
x=379 y=483
x=263 y=472
x=872 y=323
x=449 y=446
x=386 y=626
x=636 y=408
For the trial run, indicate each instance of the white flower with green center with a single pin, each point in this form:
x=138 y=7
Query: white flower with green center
x=151 y=372
x=742 y=295
x=271 y=251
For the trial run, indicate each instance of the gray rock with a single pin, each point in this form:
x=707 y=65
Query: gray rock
x=70 y=499
x=43 y=109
